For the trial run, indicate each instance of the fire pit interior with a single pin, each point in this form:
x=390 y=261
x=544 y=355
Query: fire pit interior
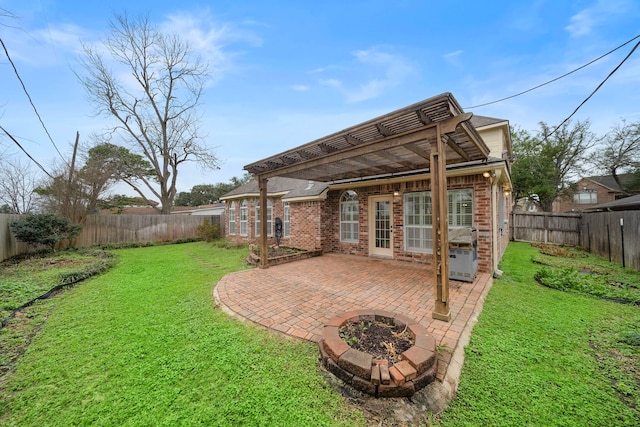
x=378 y=352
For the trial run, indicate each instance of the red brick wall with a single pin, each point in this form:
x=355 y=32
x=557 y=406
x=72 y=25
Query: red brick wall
x=305 y=218
x=306 y=230
x=604 y=196
x=316 y=224
x=481 y=219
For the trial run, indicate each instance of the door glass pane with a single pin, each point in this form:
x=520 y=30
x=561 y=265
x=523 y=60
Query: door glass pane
x=383 y=225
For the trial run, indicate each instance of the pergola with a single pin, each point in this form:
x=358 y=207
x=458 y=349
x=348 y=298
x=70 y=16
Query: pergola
x=429 y=135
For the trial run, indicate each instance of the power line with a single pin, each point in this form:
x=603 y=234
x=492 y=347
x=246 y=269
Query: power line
x=25 y=152
x=24 y=88
x=557 y=78
x=597 y=88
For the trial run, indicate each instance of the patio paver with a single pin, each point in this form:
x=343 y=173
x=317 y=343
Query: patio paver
x=298 y=298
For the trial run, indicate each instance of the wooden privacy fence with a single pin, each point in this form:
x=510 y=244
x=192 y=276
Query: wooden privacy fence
x=116 y=229
x=9 y=246
x=544 y=227
x=614 y=235
x=597 y=232
x=138 y=228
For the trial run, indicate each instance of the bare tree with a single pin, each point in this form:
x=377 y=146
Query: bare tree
x=620 y=154
x=17 y=184
x=155 y=106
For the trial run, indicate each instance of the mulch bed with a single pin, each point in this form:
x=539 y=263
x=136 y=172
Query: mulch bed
x=379 y=339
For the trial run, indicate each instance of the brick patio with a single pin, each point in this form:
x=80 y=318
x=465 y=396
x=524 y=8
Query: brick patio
x=298 y=298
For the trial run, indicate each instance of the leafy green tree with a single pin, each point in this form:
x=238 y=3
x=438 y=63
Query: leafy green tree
x=546 y=164
x=118 y=202
x=44 y=229
x=75 y=198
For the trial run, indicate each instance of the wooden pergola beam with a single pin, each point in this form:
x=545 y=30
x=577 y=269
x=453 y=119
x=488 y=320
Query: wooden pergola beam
x=264 y=248
x=380 y=144
x=451 y=143
x=419 y=151
x=396 y=159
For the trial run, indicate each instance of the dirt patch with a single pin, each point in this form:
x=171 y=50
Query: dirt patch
x=380 y=339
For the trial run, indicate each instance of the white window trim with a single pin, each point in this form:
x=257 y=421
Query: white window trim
x=269 y=218
x=286 y=220
x=427 y=227
x=356 y=238
x=232 y=218
x=244 y=219
x=579 y=200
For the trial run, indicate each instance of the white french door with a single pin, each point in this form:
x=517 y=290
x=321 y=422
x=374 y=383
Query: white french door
x=381 y=226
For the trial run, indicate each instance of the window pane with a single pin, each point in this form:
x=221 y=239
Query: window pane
x=287 y=221
x=349 y=216
x=244 y=218
x=232 y=218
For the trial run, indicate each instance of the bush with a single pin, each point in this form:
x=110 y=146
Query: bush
x=208 y=231
x=44 y=229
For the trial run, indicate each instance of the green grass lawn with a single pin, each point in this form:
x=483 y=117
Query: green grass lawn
x=543 y=357
x=143 y=345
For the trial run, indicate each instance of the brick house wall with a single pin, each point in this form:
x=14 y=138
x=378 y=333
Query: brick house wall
x=316 y=224
x=603 y=195
x=305 y=218
x=481 y=219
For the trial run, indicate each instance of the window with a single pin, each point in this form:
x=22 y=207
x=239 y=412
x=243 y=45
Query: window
x=417 y=222
x=286 y=223
x=349 y=217
x=232 y=218
x=417 y=217
x=269 y=218
x=244 y=218
x=460 y=208
x=585 y=197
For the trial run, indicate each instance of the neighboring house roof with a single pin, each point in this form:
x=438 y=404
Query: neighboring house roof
x=609 y=182
x=288 y=187
x=481 y=121
x=194 y=210
x=626 y=204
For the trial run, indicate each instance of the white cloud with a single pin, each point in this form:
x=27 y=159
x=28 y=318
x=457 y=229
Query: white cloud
x=377 y=70
x=601 y=11
x=210 y=39
x=453 y=57
x=300 y=88
x=334 y=83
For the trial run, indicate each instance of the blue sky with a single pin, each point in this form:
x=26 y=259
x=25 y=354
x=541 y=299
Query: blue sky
x=287 y=72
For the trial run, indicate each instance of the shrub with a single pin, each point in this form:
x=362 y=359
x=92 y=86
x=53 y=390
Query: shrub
x=44 y=229
x=208 y=231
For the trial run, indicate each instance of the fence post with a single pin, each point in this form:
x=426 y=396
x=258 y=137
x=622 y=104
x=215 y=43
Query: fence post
x=622 y=239
x=608 y=241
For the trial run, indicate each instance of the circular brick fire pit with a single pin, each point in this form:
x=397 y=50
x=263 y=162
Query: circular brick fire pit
x=377 y=377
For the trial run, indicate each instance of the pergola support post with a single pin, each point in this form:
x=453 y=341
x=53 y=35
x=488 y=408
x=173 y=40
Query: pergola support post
x=264 y=249
x=440 y=221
